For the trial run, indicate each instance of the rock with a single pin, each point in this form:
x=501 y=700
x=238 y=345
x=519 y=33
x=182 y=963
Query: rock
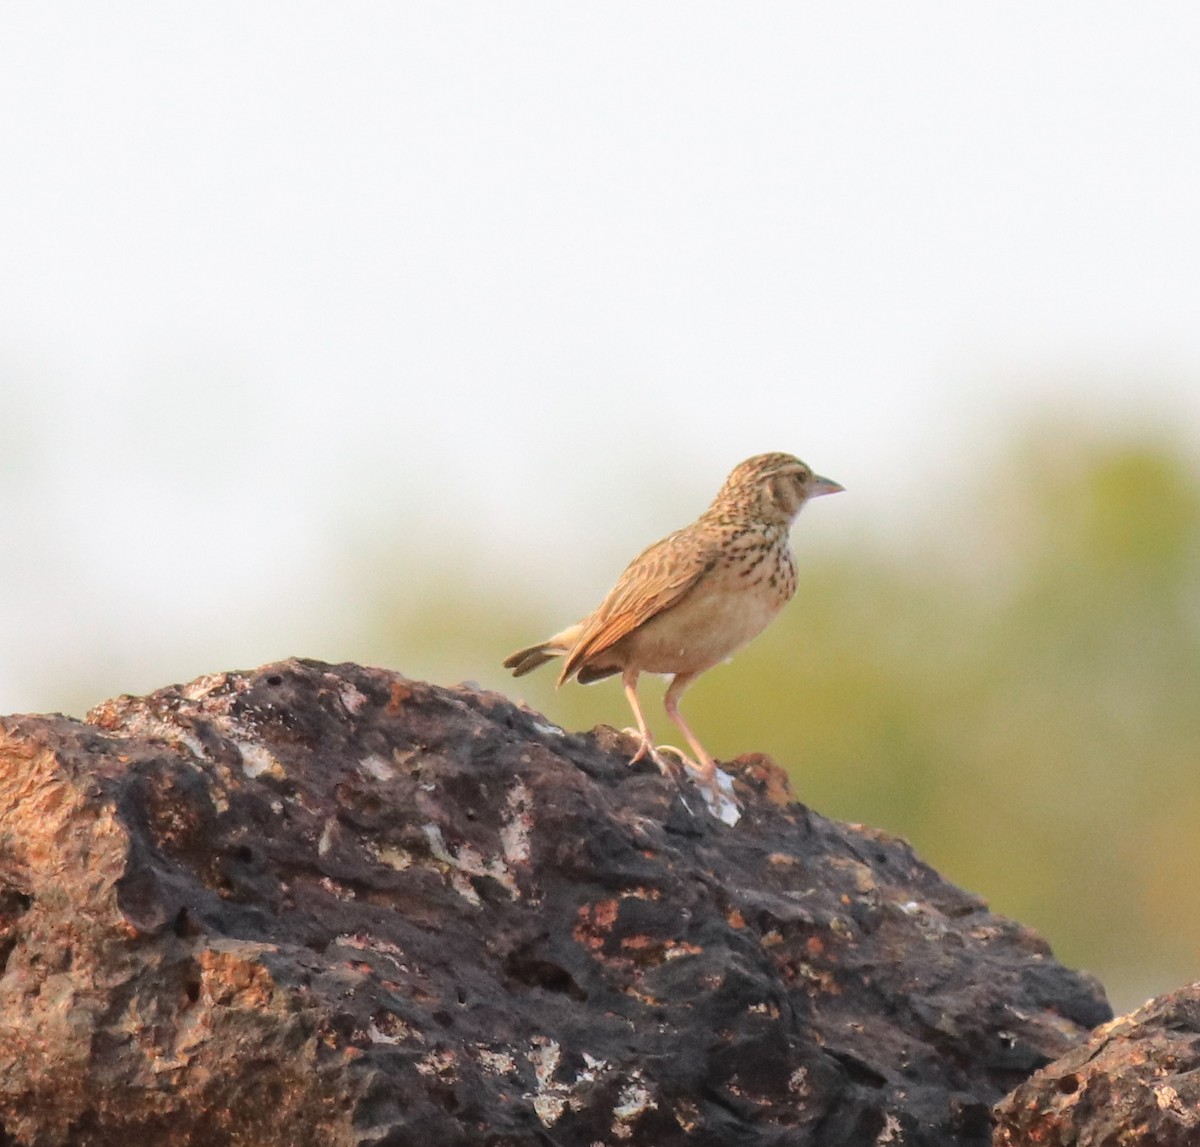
x=327 y=905
x=1136 y=1082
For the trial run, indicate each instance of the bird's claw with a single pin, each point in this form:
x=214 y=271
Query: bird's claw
x=645 y=746
x=669 y=760
x=715 y=786
x=647 y=750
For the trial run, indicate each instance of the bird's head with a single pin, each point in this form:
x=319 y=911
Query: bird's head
x=771 y=487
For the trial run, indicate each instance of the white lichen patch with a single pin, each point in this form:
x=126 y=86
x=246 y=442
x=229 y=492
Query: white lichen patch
x=676 y=949
x=927 y=917
x=442 y=1063
x=544 y=1056
x=437 y=843
x=514 y=836
x=1169 y=1100
x=191 y=742
x=687 y=1115
x=549 y=1108
x=392 y=855
x=155 y=728
x=554 y=1096
x=397 y=1031
x=633 y=1101
x=495 y=1062
x=594 y=1070
x=764 y=1009
x=891 y=1132
x=351 y=697
x=211 y=682
x=336 y=889
x=466 y=861
x=469 y=860
x=798 y=1082
x=407 y=759
x=377 y=766
x=550 y=1099
x=461 y=883
x=258 y=760
x=361 y=943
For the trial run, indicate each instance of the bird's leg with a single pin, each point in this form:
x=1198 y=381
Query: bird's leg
x=646 y=742
x=630 y=679
x=706 y=766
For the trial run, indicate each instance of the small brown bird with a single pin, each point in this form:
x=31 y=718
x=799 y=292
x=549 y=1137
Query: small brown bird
x=694 y=598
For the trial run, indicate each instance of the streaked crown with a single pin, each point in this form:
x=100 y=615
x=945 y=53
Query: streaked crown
x=769 y=488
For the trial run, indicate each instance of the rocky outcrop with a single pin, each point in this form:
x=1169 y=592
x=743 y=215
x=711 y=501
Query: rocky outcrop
x=321 y=904
x=1136 y=1082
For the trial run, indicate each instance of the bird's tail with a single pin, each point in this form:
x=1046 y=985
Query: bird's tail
x=527 y=660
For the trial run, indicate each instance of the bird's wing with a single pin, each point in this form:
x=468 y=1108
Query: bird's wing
x=658 y=578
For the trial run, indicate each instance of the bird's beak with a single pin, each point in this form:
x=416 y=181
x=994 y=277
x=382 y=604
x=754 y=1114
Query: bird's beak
x=820 y=486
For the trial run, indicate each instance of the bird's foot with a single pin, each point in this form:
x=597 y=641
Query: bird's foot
x=645 y=746
x=716 y=787
x=673 y=762
x=667 y=757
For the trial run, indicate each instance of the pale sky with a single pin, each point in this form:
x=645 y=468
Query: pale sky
x=506 y=280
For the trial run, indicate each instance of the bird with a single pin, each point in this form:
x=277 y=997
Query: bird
x=692 y=599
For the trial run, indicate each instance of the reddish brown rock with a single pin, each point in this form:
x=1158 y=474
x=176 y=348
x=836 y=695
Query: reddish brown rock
x=1136 y=1083
x=327 y=905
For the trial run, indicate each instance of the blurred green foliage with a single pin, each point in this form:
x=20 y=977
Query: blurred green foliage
x=1018 y=693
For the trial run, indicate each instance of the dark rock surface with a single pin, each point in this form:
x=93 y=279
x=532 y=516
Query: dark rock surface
x=320 y=904
x=1136 y=1083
